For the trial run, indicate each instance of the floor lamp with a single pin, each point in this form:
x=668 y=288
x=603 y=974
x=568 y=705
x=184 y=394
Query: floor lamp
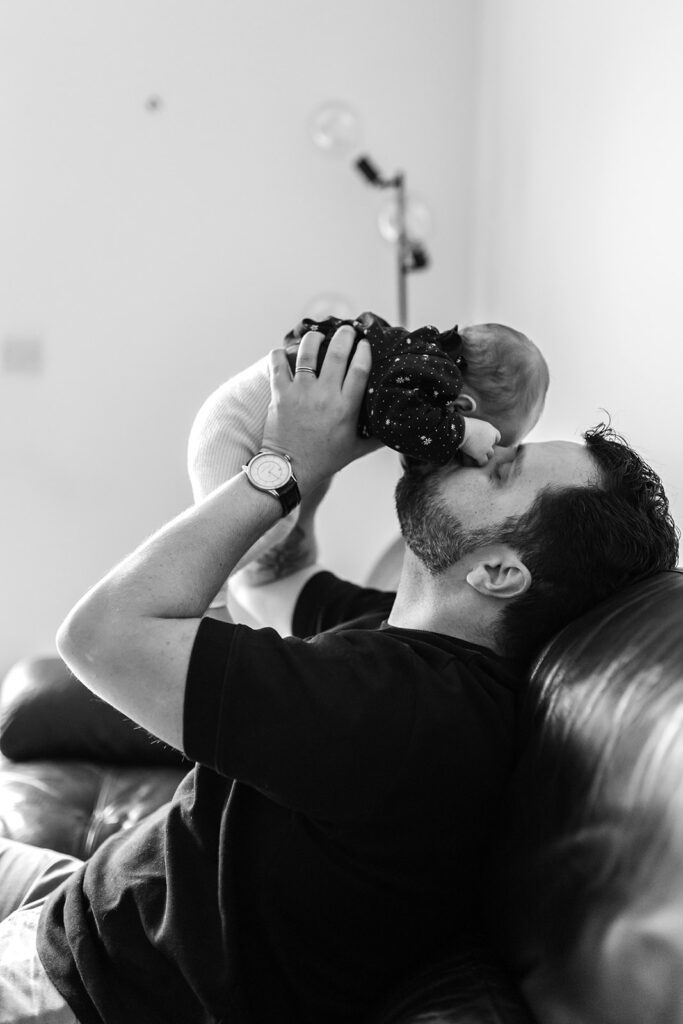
x=411 y=254
x=335 y=128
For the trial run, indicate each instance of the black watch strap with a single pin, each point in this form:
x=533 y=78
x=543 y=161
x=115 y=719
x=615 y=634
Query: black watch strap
x=289 y=496
x=260 y=474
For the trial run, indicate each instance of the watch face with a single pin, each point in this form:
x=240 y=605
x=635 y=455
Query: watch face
x=270 y=471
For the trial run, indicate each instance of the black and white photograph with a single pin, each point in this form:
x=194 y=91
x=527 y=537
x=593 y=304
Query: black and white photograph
x=341 y=402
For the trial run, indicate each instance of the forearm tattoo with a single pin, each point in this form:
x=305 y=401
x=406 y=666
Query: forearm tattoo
x=297 y=551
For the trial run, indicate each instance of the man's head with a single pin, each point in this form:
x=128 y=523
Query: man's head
x=550 y=529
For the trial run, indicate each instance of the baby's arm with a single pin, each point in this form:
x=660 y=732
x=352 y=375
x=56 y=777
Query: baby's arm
x=480 y=437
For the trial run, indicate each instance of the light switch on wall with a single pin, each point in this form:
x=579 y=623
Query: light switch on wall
x=22 y=353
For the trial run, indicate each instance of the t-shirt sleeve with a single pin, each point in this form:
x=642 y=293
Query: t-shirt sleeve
x=326 y=601
x=322 y=726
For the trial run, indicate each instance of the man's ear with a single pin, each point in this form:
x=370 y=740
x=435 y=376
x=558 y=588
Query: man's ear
x=500 y=572
x=465 y=404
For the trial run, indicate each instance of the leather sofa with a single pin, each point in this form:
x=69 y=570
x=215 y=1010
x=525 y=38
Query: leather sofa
x=73 y=770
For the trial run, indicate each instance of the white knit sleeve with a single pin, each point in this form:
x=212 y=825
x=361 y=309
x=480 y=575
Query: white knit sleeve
x=228 y=429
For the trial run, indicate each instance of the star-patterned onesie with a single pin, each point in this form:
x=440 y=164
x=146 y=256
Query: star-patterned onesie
x=415 y=378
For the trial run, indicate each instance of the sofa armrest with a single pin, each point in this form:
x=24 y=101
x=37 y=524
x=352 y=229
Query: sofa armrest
x=74 y=770
x=45 y=712
x=73 y=806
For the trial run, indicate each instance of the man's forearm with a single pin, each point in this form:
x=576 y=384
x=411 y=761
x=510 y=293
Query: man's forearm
x=130 y=638
x=173 y=575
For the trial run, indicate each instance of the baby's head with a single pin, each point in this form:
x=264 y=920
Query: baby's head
x=505 y=379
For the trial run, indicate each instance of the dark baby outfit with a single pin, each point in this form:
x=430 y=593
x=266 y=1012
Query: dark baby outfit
x=415 y=377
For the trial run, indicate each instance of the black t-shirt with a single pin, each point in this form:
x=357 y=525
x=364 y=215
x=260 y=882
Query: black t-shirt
x=325 y=844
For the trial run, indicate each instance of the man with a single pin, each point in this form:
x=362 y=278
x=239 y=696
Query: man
x=328 y=839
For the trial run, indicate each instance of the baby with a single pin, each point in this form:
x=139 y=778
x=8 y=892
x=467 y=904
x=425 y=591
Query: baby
x=430 y=396
x=433 y=394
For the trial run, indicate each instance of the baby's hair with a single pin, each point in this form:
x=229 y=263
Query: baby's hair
x=504 y=367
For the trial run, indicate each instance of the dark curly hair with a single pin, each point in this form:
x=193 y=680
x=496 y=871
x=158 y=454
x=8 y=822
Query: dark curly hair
x=581 y=544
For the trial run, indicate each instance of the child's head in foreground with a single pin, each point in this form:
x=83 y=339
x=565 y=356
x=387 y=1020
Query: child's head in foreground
x=505 y=379
x=594 y=924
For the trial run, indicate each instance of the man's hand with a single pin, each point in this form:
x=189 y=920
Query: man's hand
x=313 y=419
x=480 y=438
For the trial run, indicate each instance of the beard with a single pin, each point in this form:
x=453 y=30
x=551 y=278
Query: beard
x=430 y=530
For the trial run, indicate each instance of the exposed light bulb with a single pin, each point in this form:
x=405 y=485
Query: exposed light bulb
x=418 y=219
x=335 y=128
x=329 y=304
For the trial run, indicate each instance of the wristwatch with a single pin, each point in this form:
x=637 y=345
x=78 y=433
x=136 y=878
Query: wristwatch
x=272 y=472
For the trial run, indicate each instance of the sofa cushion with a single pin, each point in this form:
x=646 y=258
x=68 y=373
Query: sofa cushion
x=73 y=806
x=45 y=712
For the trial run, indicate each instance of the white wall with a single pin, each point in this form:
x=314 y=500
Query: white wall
x=580 y=208
x=154 y=254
